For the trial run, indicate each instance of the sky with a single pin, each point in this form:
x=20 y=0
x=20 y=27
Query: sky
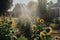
x=25 y=1
x=53 y=1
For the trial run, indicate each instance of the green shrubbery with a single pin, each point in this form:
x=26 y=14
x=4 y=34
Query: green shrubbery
x=8 y=29
x=40 y=31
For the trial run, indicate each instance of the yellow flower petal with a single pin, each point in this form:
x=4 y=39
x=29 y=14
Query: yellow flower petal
x=38 y=19
x=34 y=28
x=56 y=37
x=41 y=21
x=35 y=38
x=41 y=35
x=12 y=22
x=49 y=31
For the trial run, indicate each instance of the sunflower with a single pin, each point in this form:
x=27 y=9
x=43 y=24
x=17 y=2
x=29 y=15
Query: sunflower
x=38 y=19
x=56 y=37
x=12 y=22
x=41 y=35
x=49 y=31
x=34 y=28
x=41 y=21
x=35 y=38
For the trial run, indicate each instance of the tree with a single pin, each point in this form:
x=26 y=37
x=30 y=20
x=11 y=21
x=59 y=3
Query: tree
x=5 y=5
x=33 y=5
x=50 y=3
x=42 y=7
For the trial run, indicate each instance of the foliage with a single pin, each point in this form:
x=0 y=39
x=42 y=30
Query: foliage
x=58 y=20
x=5 y=5
x=8 y=29
x=40 y=31
x=22 y=38
x=25 y=29
x=42 y=8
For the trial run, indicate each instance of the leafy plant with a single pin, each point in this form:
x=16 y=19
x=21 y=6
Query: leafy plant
x=40 y=31
x=6 y=29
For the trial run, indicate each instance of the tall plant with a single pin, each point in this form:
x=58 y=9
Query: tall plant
x=40 y=31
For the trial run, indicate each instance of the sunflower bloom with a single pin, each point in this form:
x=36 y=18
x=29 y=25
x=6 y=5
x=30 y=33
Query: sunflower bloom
x=41 y=21
x=34 y=28
x=49 y=31
x=41 y=34
x=35 y=38
x=56 y=37
x=38 y=19
x=12 y=22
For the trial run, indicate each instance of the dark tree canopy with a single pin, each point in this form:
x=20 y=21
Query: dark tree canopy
x=5 y=5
